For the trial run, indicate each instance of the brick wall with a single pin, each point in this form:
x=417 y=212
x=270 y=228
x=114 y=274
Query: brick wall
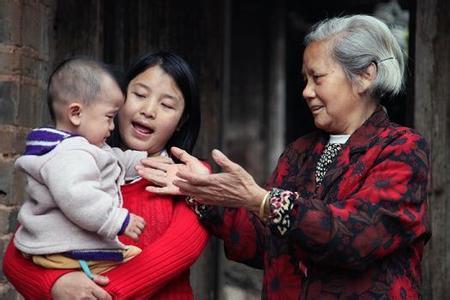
x=24 y=58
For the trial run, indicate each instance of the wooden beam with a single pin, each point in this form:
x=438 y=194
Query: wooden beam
x=432 y=119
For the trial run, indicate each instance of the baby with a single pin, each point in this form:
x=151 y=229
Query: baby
x=73 y=213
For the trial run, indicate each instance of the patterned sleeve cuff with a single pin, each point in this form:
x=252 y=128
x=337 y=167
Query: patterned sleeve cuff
x=281 y=203
x=200 y=209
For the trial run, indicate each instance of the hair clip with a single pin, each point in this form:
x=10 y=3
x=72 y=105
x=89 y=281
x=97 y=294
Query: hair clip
x=381 y=60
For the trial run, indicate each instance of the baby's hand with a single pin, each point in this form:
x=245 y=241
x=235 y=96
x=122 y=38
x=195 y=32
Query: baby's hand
x=135 y=227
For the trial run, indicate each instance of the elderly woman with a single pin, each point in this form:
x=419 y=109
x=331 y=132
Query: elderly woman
x=344 y=213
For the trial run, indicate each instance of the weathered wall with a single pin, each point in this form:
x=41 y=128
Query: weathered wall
x=432 y=119
x=25 y=54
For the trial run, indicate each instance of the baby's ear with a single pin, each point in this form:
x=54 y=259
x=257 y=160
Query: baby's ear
x=74 y=111
x=366 y=78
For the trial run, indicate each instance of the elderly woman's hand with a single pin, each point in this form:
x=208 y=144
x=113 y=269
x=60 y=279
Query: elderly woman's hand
x=161 y=171
x=76 y=285
x=233 y=187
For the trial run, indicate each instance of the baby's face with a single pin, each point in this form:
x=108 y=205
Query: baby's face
x=97 y=118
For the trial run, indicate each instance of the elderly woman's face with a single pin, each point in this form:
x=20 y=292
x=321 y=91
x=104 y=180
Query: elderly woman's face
x=335 y=103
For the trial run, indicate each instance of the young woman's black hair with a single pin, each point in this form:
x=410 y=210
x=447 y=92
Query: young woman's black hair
x=187 y=132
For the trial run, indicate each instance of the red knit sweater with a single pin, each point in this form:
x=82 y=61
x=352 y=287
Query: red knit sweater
x=172 y=240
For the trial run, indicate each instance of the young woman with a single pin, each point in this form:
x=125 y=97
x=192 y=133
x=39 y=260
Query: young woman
x=161 y=110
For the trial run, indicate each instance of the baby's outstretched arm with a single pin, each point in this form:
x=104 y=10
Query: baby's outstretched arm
x=135 y=227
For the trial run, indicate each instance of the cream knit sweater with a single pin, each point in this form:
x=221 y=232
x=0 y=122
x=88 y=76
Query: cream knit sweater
x=74 y=200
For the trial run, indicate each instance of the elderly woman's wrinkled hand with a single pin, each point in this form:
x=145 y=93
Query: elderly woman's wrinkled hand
x=233 y=187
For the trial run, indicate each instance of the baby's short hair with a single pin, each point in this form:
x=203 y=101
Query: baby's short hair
x=76 y=78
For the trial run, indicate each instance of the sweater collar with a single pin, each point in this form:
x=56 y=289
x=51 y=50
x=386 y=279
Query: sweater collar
x=42 y=140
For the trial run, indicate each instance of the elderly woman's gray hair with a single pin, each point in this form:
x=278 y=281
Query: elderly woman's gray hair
x=357 y=42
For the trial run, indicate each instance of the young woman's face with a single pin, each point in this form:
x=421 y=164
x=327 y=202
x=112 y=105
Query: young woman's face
x=152 y=111
x=334 y=102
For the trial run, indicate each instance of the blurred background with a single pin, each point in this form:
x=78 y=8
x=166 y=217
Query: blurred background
x=247 y=57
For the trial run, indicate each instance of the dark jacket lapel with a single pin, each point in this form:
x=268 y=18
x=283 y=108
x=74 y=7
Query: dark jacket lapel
x=358 y=143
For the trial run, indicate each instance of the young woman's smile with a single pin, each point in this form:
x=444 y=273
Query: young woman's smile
x=143 y=130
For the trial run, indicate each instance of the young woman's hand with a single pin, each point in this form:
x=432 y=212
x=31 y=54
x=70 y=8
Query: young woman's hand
x=76 y=285
x=162 y=172
x=233 y=187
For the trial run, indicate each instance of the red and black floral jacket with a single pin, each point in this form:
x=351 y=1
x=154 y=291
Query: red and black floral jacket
x=360 y=234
